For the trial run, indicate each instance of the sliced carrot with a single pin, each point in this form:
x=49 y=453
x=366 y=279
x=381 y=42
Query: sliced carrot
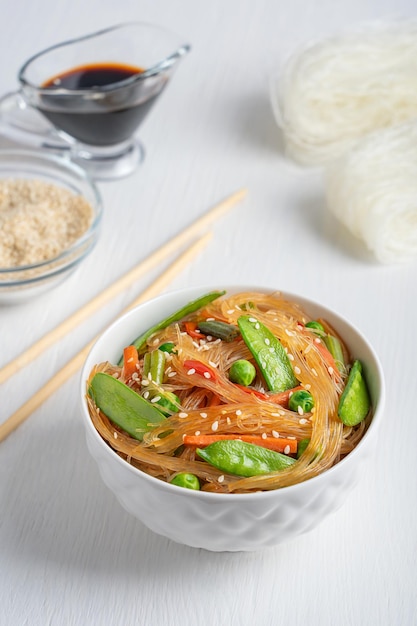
x=191 y=329
x=279 y=444
x=130 y=362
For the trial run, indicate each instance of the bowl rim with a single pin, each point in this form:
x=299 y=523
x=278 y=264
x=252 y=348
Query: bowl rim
x=232 y=497
x=23 y=158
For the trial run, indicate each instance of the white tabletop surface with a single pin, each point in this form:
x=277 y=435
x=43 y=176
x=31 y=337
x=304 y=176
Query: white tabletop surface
x=69 y=554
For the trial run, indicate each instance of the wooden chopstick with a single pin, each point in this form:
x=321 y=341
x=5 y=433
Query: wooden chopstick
x=173 y=245
x=76 y=362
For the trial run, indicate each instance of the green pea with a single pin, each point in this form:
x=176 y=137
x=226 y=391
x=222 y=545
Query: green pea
x=188 y=481
x=302 y=445
x=302 y=399
x=242 y=372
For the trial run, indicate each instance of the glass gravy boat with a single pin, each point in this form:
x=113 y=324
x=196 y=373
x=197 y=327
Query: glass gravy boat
x=96 y=91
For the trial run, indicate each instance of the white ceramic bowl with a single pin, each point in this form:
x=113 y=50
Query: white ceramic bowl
x=19 y=284
x=223 y=522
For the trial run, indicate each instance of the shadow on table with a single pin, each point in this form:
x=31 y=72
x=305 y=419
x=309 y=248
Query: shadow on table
x=67 y=516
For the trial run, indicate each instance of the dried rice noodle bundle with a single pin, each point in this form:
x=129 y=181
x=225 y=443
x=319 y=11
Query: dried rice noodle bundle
x=337 y=90
x=373 y=190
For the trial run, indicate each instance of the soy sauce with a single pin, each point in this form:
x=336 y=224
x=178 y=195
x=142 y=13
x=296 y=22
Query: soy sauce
x=108 y=112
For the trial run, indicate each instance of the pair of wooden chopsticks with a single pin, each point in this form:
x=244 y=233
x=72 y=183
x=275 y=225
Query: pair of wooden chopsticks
x=105 y=296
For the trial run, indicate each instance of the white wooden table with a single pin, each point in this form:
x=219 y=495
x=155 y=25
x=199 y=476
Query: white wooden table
x=69 y=554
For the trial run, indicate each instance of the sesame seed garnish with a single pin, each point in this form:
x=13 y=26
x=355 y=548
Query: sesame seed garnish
x=172 y=374
x=271 y=350
x=300 y=410
x=267 y=341
x=287 y=449
x=330 y=370
x=291 y=357
x=182 y=414
x=195 y=344
x=230 y=311
x=228 y=420
x=149 y=376
x=209 y=337
x=291 y=437
x=155 y=399
x=130 y=360
x=317 y=340
x=297 y=370
x=313 y=371
x=289 y=332
x=253 y=320
x=275 y=434
x=146 y=395
x=221 y=478
x=210 y=319
x=197 y=432
x=115 y=435
x=275 y=414
x=264 y=435
x=212 y=363
x=217 y=341
x=238 y=412
x=203 y=415
x=299 y=327
x=155 y=342
x=307 y=386
x=257 y=326
x=207 y=375
x=303 y=421
x=214 y=426
x=191 y=371
x=307 y=350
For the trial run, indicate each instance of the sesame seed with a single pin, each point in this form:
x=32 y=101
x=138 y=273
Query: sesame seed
x=303 y=421
x=214 y=426
x=209 y=337
x=195 y=344
x=297 y=370
x=287 y=449
x=155 y=342
x=115 y=435
x=130 y=360
x=307 y=350
x=155 y=399
x=182 y=414
x=257 y=326
x=149 y=376
x=221 y=478
x=275 y=414
x=230 y=311
x=207 y=375
x=228 y=420
x=203 y=415
x=271 y=350
x=253 y=320
x=264 y=435
x=317 y=340
x=300 y=410
x=217 y=341
x=307 y=386
x=238 y=412
x=146 y=395
x=267 y=341
x=191 y=371
x=197 y=432
x=213 y=364
x=291 y=357
x=172 y=374
x=210 y=319
x=299 y=327
x=330 y=370
x=289 y=333
x=275 y=434
x=291 y=437
x=313 y=371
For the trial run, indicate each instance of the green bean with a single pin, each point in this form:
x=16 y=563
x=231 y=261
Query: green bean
x=220 y=330
x=301 y=399
x=242 y=372
x=188 y=481
x=269 y=354
x=123 y=406
x=243 y=459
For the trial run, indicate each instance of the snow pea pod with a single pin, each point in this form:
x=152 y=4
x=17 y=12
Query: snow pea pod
x=243 y=459
x=354 y=403
x=268 y=353
x=191 y=307
x=123 y=406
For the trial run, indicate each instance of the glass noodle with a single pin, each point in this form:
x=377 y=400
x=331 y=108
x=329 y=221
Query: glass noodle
x=162 y=453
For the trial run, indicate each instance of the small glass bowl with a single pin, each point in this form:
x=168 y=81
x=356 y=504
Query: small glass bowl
x=18 y=284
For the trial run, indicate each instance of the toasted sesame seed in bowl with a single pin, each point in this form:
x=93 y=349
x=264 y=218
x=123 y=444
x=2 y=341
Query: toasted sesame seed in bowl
x=50 y=213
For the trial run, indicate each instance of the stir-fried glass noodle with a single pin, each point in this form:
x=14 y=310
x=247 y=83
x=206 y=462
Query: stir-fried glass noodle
x=197 y=406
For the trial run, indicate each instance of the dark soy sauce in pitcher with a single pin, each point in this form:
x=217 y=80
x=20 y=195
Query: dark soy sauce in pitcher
x=111 y=110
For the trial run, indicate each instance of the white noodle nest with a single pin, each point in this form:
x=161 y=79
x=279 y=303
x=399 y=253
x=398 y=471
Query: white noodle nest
x=372 y=189
x=335 y=91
